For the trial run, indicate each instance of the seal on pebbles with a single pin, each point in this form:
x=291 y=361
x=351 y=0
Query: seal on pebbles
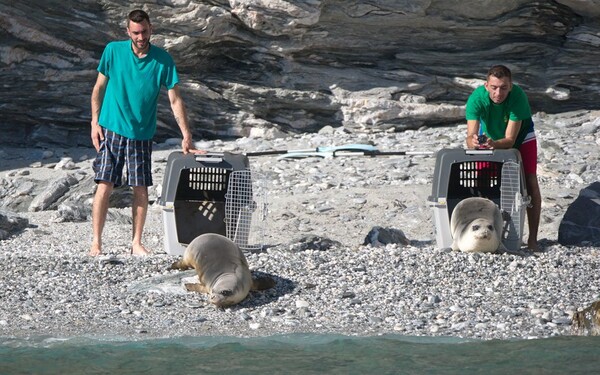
x=222 y=270
x=476 y=226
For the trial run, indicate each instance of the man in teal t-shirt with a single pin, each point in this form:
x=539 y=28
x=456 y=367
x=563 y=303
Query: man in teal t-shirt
x=130 y=76
x=133 y=88
x=500 y=111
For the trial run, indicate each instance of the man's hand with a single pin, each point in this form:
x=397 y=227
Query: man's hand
x=96 y=101
x=188 y=146
x=481 y=146
x=181 y=118
x=97 y=135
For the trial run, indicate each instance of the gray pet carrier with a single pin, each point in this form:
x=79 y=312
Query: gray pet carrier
x=493 y=174
x=208 y=193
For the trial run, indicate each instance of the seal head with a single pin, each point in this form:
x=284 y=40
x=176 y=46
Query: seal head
x=476 y=226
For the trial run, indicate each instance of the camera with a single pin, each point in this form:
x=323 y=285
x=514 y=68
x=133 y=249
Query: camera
x=482 y=139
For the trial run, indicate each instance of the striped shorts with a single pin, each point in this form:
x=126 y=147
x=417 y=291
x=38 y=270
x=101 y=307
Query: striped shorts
x=116 y=152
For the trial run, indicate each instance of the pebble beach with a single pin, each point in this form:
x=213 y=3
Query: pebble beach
x=328 y=281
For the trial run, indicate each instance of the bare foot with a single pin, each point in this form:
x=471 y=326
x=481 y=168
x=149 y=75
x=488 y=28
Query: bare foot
x=533 y=246
x=139 y=250
x=95 y=249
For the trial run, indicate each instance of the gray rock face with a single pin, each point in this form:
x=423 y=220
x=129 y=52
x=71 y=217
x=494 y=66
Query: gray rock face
x=581 y=223
x=297 y=65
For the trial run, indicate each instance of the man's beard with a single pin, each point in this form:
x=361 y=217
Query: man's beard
x=142 y=45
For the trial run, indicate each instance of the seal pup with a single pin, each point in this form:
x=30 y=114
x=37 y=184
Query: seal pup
x=222 y=270
x=476 y=226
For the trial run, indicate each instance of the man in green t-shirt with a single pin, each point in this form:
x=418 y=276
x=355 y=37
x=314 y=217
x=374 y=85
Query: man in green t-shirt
x=124 y=100
x=499 y=110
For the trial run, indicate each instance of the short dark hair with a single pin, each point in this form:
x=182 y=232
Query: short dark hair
x=499 y=71
x=137 y=16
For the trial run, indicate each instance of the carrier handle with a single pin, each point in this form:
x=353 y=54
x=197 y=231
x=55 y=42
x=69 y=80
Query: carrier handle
x=479 y=152
x=213 y=157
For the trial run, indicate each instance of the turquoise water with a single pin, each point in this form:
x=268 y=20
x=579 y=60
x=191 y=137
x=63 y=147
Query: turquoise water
x=301 y=354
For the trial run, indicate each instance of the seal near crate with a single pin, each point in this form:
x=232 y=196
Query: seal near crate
x=493 y=174
x=476 y=226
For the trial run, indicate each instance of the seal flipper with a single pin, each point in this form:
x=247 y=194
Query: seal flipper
x=454 y=246
x=180 y=265
x=262 y=283
x=197 y=287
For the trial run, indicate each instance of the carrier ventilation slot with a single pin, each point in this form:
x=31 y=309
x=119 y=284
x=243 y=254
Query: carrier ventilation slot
x=479 y=174
x=207 y=179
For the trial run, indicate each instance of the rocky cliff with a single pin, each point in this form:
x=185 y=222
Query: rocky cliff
x=260 y=66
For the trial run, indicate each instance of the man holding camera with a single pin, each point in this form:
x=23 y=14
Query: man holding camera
x=499 y=117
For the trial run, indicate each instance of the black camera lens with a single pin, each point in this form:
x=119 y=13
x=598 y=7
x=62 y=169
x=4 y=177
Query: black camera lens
x=481 y=139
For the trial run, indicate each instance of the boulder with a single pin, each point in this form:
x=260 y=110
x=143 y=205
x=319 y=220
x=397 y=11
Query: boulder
x=11 y=223
x=581 y=223
x=313 y=242
x=379 y=236
x=53 y=192
x=587 y=321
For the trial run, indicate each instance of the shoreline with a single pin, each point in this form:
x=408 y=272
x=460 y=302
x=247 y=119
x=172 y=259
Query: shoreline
x=50 y=286
x=411 y=291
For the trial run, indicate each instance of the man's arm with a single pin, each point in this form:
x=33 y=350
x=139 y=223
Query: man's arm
x=472 y=132
x=178 y=108
x=510 y=136
x=97 y=98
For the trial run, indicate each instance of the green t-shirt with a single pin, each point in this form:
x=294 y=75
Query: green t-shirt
x=494 y=117
x=131 y=96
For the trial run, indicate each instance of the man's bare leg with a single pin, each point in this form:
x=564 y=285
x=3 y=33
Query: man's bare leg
x=99 y=211
x=139 y=210
x=533 y=212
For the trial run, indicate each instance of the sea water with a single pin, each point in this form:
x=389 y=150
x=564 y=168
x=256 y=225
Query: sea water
x=300 y=354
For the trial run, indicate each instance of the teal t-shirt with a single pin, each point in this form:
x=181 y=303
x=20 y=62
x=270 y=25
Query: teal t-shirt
x=131 y=96
x=494 y=117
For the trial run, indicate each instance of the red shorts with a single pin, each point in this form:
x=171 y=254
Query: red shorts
x=528 y=152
